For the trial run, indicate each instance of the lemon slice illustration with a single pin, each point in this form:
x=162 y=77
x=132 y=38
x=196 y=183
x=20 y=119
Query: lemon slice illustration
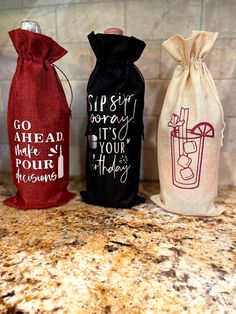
x=203 y=129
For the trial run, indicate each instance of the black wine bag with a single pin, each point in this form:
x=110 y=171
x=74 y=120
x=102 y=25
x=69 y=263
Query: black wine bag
x=114 y=132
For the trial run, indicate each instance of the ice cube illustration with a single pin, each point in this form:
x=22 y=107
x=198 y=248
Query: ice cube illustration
x=92 y=141
x=190 y=147
x=184 y=161
x=186 y=174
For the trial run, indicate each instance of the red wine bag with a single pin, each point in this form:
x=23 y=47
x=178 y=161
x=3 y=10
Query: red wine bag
x=38 y=124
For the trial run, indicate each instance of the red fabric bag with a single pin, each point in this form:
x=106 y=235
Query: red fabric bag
x=38 y=124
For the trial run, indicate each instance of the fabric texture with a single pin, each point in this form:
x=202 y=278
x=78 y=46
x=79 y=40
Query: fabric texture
x=190 y=131
x=38 y=124
x=115 y=122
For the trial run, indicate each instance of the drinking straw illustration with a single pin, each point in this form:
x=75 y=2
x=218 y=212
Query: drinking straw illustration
x=184 y=114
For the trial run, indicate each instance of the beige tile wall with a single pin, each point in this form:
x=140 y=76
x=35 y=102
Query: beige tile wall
x=69 y=22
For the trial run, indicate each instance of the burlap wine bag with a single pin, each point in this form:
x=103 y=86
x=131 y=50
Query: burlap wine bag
x=190 y=131
x=38 y=124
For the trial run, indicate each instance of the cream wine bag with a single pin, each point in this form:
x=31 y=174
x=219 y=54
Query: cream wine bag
x=190 y=131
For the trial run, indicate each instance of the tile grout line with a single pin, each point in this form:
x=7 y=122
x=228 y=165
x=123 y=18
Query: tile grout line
x=146 y=79
x=201 y=16
x=56 y=24
x=125 y=16
x=144 y=39
x=160 y=61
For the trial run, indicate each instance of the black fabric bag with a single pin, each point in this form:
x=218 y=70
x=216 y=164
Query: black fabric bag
x=115 y=122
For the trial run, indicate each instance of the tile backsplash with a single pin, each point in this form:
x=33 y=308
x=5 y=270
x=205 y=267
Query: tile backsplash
x=70 y=21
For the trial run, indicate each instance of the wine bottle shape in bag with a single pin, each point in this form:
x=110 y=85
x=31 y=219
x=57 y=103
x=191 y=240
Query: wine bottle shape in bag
x=38 y=122
x=190 y=131
x=115 y=121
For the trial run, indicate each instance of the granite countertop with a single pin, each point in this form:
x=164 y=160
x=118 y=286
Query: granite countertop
x=89 y=259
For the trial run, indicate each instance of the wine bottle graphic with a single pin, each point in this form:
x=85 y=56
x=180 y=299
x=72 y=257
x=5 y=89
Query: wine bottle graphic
x=60 y=164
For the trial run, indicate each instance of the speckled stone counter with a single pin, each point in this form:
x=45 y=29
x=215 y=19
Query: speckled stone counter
x=88 y=259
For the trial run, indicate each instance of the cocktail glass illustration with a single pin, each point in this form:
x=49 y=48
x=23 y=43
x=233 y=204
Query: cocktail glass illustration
x=187 y=148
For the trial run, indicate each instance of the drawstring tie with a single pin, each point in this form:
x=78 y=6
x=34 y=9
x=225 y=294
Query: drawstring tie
x=71 y=91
